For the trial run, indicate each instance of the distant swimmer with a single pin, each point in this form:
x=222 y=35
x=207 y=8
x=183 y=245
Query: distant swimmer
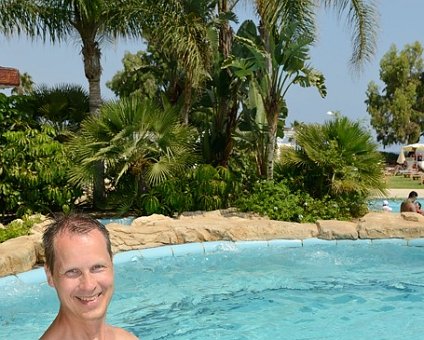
x=409 y=203
x=386 y=206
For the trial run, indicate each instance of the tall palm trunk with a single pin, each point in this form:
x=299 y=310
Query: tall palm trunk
x=188 y=94
x=93 y=71
x=225 y=34
x=270 y=146
x=271 y=107
x=228 y=106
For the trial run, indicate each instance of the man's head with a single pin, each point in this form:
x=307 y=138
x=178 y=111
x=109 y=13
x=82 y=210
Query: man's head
x=73 y=224
x=413 y=195
x=79 y=266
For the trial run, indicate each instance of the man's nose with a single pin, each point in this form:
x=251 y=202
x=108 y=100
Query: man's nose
x=87 y=281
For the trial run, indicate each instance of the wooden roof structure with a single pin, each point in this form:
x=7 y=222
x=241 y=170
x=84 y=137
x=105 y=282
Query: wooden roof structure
x=9 y=77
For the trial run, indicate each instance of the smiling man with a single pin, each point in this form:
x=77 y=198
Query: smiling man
x=79 y=266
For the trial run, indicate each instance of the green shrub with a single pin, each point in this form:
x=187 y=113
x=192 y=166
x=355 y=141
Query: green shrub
x=33 y=172
x=278 y=202
x=202 y=188
x=19 y=227
x=338 y=158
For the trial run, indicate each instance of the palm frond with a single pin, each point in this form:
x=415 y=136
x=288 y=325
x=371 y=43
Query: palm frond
x=362 y=17
x=132 y=137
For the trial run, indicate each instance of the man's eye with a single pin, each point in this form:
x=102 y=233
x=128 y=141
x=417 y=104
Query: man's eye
x=72 y=273
x=98 y=268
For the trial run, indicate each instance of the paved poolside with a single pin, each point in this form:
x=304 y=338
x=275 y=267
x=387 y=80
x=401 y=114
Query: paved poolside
x=403 y=193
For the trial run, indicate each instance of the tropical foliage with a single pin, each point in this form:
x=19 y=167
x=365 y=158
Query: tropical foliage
x=337 y=159
x=397 y=112
x=271 y=67
x=203 y=187
x=329 y=174
x=202 y=56
x=33 y=164
x=143 y=74
x=11 y=118
x=63 y=107
x=33 y=168
x=91 y=21
x=278 y=201
x=19 y=227
x=198 y=108
x=140 y=143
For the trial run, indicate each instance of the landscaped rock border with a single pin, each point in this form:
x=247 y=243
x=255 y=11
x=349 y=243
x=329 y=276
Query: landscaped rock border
x=24 y=253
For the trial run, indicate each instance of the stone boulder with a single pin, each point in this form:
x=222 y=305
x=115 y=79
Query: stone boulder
x=337 y=230
x=407 y=225
x=18 y=254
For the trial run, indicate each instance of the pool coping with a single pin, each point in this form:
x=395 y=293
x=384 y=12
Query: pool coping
x=37 y=275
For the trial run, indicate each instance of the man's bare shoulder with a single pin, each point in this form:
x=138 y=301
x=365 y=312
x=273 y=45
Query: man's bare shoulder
x=120 y=333
x=407 y=206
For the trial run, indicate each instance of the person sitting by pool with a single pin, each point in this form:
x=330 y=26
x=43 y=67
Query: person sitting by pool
x=79 y=266
x=409 y=203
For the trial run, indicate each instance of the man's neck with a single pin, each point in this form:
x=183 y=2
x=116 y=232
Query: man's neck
x=66 y=327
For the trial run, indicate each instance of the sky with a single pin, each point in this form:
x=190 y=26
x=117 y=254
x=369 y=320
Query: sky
x=400 y=23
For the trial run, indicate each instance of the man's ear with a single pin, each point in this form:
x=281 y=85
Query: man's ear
x=49 y=276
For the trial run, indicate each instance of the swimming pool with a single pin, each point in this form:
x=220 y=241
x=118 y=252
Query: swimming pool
x=249 y=290
x=376 y=204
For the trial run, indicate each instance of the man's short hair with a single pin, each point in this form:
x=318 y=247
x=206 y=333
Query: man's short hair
x=413 y=194
x=74 y=224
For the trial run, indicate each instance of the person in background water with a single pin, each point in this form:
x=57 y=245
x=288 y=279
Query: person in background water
x=409 y=203
x=79 y=266
x=386 y=206
x=418 y=206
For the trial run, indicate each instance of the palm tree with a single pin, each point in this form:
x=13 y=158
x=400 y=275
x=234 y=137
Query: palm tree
x=140 y=144
x=187 y=35
x=269 y=70
x=361 y=15
x=338 y=158
x=90 y=20
x=276 y=19
x=63 y=106
x=180 y=34
x=297 y=18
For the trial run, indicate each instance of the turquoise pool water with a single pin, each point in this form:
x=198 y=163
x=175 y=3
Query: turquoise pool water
x=121 y=220
x=276 y=290
x=377 y=204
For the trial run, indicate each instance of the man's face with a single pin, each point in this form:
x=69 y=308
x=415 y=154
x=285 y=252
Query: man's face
x=83 y=275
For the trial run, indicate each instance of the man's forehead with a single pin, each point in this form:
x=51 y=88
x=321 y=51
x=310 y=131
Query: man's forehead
x=69 y=236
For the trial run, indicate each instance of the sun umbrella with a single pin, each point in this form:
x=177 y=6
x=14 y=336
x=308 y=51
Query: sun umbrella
x=413 y=147
x=401 y=159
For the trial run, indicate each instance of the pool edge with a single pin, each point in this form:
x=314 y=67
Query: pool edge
x=37 y=275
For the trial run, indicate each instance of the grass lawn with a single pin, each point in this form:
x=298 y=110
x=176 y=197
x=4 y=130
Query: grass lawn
x=401 y=182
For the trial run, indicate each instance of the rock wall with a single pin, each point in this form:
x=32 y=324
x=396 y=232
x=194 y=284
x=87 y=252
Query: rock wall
x=24 y=253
